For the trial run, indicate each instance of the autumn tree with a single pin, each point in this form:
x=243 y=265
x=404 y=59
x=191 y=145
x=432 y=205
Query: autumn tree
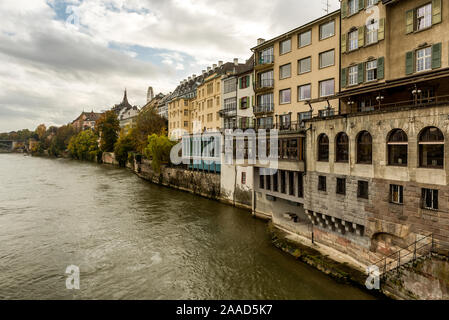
x=107 y=128
x=158 y=150
x=60 y=141
x=84 y=146
x=148 y=123
x=126 y=143
x=41 y=130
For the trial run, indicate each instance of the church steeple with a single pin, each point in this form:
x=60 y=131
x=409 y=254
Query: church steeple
x=125 y=98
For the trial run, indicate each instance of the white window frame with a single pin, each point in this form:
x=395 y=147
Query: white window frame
x=425 y=13
x=353 y=7
x=353 y=41
x=371 y=67
x=370 y=3
x=353 y=75
x=372 y=30
x=400 y=192
x=424 y=62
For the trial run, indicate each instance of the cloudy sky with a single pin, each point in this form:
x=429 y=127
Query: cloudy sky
x=60 y=57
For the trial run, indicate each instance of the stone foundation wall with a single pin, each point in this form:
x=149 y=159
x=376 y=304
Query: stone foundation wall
x=109 y=158
x=426 y=280
x=200 y=183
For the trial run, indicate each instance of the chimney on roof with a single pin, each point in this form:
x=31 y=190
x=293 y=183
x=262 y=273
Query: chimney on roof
x=208 y=69
x=194 y=76
x=220 y=63
x=214 y=66
x=190 y=78
x=236 y=61
x=203 y=72
x=260 y=41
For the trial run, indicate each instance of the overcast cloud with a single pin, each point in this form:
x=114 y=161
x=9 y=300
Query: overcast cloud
x=51 y=70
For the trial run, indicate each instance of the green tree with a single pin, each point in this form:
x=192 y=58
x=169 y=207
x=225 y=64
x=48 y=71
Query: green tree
x=60 y=141
x=158 y=150
x=148 y=123
x=126 y=143
x=84 y=146
x=107 y=128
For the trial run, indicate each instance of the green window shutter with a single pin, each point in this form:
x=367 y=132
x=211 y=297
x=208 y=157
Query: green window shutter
x=361 y=36
x=409 y=19
x=344 y=8
x=361 y=5
x=381 y=31
x=436 y=56
x=436 y=11
x=361 y=72
x=343 y=77
x=247 y=81
x=252 y=101
x=343 y=43
x=409 y=62
x=380 y=68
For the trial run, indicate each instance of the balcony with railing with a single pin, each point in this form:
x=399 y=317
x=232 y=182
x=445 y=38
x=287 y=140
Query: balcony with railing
x=264 y=108
x=293 y=126
x=264 y=61
x=228 y=112
x=264 y=84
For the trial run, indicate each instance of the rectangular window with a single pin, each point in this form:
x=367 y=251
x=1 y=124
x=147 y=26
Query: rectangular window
x=244 y=103
x=230 y=85
x=261 y=181
x=305 y=65
x=244 y=82
x=430 y=199
x=362 y=190
x=304 y=92
x=291 y=183
x=353 y=40
x=285 y=71
x=353 y=75
x=327 y=58
x=283 y=185
x=285 y=46
x=305 y=38
x=327 y=30
x=186 y=124
x=327 y=88
x=370 y=3
x=396 y=194
x=372 y=31
x=266 y=56
x=210 y=103
x=210 y=88
x=243 y=178
x=285 y=96
x=353 y=7
x=341 y=186
x=230 y=104
x=371 y=70
x=276 y=182
x=424 y=59
x=300 y=185
x=322 y=183
x=423 y=17
x=268 y=185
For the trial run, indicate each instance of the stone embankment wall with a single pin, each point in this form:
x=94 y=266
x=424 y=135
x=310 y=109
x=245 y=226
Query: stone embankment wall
x=109 y=158
x=199 y=183
x=425 y=280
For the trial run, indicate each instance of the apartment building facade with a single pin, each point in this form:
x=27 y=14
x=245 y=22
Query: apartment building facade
x=377 y=173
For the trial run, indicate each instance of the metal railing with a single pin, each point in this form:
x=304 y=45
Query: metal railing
x=419 y=102
x=264 y=108
x=265 y=59
x=291 y=126
x=419 y=249
x=230 y=112
x=265 y=84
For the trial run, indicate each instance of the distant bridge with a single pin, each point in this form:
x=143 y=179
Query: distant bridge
x=7 y=145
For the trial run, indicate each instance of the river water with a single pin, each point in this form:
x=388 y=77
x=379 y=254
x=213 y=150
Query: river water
x=135 y=240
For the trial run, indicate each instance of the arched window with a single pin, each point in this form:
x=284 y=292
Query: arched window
x=323 y=148
x=431 y=148
x=397 y=148
x=364 y=148
x=342 y=147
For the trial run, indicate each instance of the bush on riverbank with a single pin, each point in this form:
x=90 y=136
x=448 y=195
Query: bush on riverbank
x=124 y=146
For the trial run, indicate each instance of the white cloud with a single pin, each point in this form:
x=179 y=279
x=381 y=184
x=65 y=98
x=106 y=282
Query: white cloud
x=50 y=71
